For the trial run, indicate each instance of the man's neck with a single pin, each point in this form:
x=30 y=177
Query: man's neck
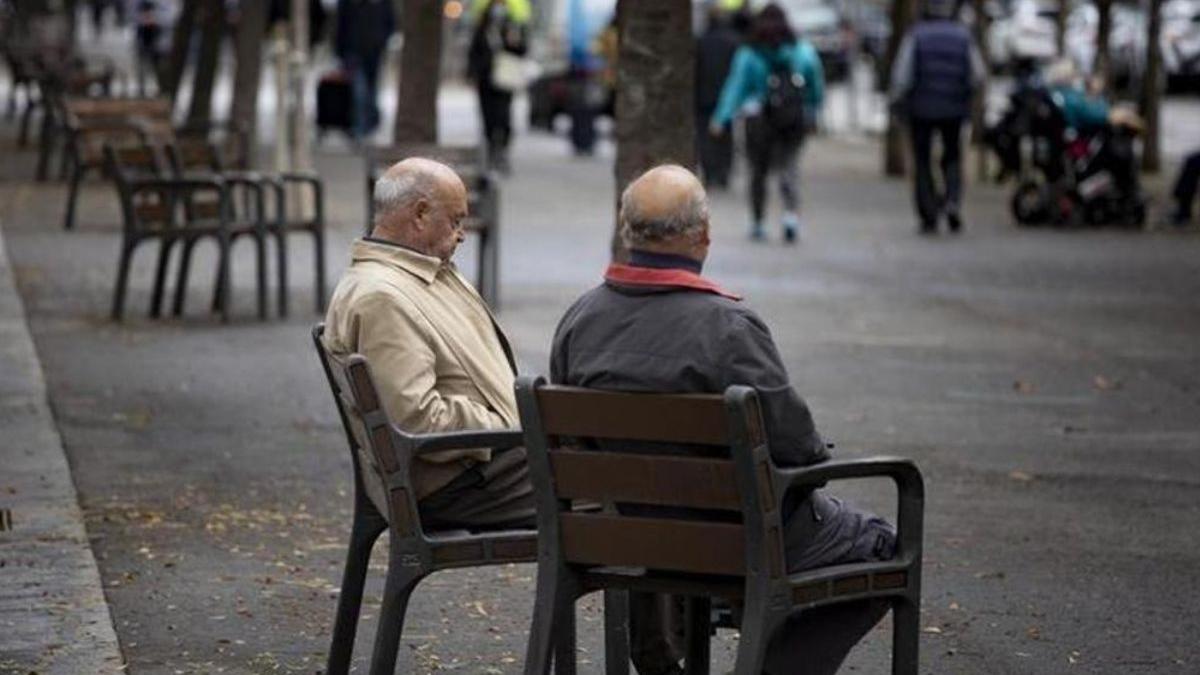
x=661 y=259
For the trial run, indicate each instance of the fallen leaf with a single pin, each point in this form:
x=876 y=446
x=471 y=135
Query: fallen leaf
x=1023 y=387
x=932 y=630
x=1104 y=384
x=1020 y=476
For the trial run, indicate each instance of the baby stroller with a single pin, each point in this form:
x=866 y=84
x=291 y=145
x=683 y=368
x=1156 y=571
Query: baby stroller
x=1077 y=178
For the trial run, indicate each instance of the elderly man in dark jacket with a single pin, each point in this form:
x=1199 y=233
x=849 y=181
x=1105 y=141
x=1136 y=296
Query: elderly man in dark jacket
x=657 y=325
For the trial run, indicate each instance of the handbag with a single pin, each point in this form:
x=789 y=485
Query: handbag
x=508 y=71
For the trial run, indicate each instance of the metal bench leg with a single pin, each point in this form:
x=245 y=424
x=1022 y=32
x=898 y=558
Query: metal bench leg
x=564 y=643
x=260 y=255
x=224 y=289
x=319 y=261
x=118 y=306
x=181 y=281
x=554 y=600
x=160 y=277
x=906 y=617
x=368 y=525
x=77 y=172
x=616 y=632
x=396 y=591
x=698 y=630
x=281 y=264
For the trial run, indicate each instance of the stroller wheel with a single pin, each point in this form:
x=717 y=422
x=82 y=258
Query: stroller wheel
x=1029 y=204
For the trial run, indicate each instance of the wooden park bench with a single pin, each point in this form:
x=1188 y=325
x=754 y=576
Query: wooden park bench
x=384 y=499
x=578 y=446
x=483 y=200
x=158 y=206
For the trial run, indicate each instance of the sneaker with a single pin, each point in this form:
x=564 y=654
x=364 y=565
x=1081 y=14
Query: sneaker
x=927 y=228
x=756 y=232
x=954 y=221
x=791 y=228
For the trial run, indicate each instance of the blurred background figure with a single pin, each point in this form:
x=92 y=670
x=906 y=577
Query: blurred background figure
x=152 y=35
x=1084 y=110
x=1185 y=189
x=100 y=8
x=363 y=30
x=495 y=63
x=937 y=69
x=592 y=59
x=776 y=83
x=714 y=53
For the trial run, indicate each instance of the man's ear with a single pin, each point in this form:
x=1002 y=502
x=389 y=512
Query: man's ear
x=420 y=211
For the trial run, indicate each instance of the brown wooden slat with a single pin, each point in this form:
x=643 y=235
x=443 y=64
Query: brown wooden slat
x=802 y=595
x=671 y=418
x=656 y=543
x=888 y=580
x=518 y=549
x=109 y=107
x=851 y=585
x=458 y=553
x=364 y=389
x=645 y=479
x=204 y=208
x=152 y=214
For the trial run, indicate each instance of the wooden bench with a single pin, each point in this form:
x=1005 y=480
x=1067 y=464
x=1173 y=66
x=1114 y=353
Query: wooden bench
x=385 y=499
x=578 y=443
x=483 y=200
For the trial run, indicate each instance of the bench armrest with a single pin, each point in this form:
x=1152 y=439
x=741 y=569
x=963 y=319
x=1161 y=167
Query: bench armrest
x=910 y=489
x=185 y=184
x=464 y=440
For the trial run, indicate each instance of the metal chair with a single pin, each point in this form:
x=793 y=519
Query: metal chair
x=590 y=444
x=384 y=499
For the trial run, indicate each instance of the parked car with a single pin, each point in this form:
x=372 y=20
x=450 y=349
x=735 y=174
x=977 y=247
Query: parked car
x=1180 y=43
x=1028 y=33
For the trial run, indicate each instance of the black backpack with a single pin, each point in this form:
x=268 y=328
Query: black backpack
x=784 y=106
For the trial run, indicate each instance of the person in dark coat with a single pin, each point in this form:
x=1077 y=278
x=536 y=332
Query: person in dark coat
x=1185 y=189
x=657 y=325
x=497 y=31
x=936 y=72
x=363 y=30
x=714 y=54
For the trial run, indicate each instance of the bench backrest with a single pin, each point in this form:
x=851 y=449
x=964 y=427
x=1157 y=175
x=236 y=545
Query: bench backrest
x=674 y=513
x=380 y=461
x=142 y=210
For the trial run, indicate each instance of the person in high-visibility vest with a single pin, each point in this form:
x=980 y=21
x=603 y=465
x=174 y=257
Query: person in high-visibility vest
x=495 y=63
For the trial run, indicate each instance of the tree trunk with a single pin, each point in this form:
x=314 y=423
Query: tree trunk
x=1152 y=89
x=251 y=32
x=181 y=38
x=903 y=14
x=207 y=62
x=1103 y=29
x=420 y=66
x=1060 y=26
x=979 y=103
x=655 y=82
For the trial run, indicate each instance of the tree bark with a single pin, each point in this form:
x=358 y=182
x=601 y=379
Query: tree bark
x=1060 y=26
x=1152 y=89
x=655 y=81
x=212 y=29
x=181 y=37
x=420 y=66
x=251 y=32
x=979 y=103
x=1103 y=30
x=894 y=157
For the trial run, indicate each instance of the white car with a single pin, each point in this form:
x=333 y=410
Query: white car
x=1180 y=41
x=1029 y=32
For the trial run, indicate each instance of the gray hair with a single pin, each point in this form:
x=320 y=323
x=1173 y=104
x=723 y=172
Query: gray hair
x=637 y=229
x=396 y=190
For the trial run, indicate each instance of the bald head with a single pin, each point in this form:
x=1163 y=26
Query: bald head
x=665 y=209
x=417 y=202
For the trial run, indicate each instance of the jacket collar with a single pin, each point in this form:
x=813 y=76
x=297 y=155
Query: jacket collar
x=618 y=274
x=422 y=266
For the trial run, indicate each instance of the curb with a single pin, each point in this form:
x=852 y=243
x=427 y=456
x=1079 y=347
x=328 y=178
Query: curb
x=53 y=616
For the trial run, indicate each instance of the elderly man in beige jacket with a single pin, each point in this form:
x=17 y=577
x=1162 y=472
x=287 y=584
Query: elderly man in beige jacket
x=440 y=359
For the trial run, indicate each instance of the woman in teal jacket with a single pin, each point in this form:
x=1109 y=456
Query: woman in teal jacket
x=772 y=47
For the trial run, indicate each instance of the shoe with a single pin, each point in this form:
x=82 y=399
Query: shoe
x=756 y=232
x=927 y=228
x=954 y=222
x=791 y=228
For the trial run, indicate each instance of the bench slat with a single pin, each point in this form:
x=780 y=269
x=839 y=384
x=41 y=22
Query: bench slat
x=568 y=411
x=654 y=543
x=645 y=479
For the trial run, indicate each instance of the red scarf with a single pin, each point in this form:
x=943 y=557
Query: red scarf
x=628 y=275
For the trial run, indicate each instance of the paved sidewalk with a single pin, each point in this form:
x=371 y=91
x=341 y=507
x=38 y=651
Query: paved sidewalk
x=53 y=617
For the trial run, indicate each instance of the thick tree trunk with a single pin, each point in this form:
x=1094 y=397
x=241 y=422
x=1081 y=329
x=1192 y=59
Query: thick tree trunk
x=655 y=81
x=181 y=38
x=1103 y=30
x=979 y=104
x=207 y=62
x=251 y=32
x=1060 y=26
x=420 y=66
x=1152 y=89
x=894 y=155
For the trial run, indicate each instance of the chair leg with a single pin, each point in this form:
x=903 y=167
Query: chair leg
x=698 y=631
x=281 y=272
x=564 y=643
x=118 y=306
x=758 y=624
x=26 y=119
x=906 y=633
x=45 y=149
x=319 y=262
x=260 y=253
x=367 y=528
x=160 y=277
x=616 y=632
x=396 y=591
x=77 y=172
x=181 y=282
x=552 y=602
x=224 y=288
x=64 y=162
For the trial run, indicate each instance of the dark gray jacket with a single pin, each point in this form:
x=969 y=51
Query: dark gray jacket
x=673 y=339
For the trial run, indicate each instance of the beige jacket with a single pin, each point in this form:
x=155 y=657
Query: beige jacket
x=439 y=358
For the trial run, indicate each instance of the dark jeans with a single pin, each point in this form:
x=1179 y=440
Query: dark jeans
x=821 y=531
x=495 y=495
x=364 y=72
x=930 y=202
x=715 y=152
x=496 y=108
x=1186 y=185
x=766 y=152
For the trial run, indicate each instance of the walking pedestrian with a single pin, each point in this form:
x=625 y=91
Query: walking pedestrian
x=494 y=62
x=777 y=84
x=714 y=54
x=937 y=70
x=1185 y=189
x=363 y=30
x=153 y=21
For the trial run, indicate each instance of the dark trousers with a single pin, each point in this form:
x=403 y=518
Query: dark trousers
x=821 y=531
x=495 y=105
x=495 y=495
x=767 y=153
x=582 y=110
x=715 y=152
x=364 y=70
x=931 y=202
x=1186 y=185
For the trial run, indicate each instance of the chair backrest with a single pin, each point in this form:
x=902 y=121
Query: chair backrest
x=468 y=161
x=674 y=513
x=380 y=461
x=142 y=210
